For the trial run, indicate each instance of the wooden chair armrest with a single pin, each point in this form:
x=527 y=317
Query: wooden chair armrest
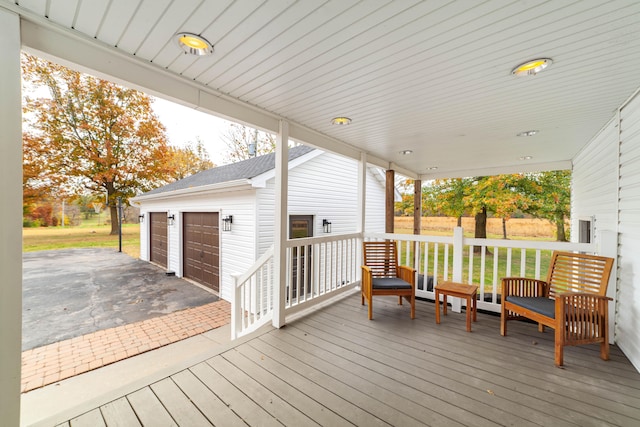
x=524 y=287
x=407 y=274
x=367 y=278
x=569 y=297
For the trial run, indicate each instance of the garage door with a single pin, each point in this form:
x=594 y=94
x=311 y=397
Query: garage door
x=158 y=238
x=202 y=248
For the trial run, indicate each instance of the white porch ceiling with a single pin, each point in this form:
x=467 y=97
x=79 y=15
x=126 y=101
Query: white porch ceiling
x=432 y=76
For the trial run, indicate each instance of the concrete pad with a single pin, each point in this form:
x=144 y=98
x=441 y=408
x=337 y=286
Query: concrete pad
x=72 y=292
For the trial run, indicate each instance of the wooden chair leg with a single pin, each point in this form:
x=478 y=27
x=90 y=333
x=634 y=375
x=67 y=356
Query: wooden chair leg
x=559 y=345
x=413 y=307
x=503 y=321
x=362 y=295
x=370 y=307
x=399 y=300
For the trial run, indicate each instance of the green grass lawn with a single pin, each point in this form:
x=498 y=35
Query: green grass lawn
x=88 y=235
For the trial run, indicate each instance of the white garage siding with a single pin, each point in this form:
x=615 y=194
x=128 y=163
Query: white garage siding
x=327 y=188
x=628 y=313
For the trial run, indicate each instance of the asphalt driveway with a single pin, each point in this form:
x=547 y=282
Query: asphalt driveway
x=72 y=292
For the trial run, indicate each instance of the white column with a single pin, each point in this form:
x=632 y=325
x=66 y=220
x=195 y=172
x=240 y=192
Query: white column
x=280 y=224
x=362 y=207
x=11 y=224
x=458 y=255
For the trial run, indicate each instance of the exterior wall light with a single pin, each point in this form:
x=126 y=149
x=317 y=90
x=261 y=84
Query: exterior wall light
x=226 y=222
x=171 y=219
x=326 y=226
x=141 y=218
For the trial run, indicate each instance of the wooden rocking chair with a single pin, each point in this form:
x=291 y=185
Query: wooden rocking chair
x=381 y=275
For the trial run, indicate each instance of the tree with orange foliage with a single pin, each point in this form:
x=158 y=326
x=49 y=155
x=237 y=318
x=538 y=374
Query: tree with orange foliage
x=186 y=161
x=91 y=134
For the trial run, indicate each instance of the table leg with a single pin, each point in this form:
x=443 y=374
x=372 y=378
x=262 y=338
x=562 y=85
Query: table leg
x=469 y=309
x=444 y=304
x=475 y=307
x=437 y=307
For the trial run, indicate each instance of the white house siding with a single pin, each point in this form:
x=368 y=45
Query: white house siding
x=595 y=182
x=326 y=187
x=628 y=315
x=237 y=247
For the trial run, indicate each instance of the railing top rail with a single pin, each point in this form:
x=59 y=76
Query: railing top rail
x=410 y=237
x=324 y=239
x=264 y=258
x=531 y=244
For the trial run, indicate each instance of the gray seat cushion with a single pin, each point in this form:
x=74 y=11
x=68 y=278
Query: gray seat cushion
x=540 y=305
x=390 y=283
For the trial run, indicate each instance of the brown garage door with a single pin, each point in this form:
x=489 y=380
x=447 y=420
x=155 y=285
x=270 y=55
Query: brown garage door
x=202 y=248
x=158 y=238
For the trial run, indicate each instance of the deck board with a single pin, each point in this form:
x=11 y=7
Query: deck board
x=119 y=413
x=335 y=367
x=89 y=419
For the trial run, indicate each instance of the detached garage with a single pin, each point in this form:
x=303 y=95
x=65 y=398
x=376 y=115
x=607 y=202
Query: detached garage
x=182 y=223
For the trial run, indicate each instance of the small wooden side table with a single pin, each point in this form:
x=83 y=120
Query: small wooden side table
x=459 y=290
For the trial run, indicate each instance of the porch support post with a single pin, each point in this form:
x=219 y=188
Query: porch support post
x=458 y=255
x=362 y=192
x=417 y=218
x=389 y=201
x=11 y=224
x=280 y=224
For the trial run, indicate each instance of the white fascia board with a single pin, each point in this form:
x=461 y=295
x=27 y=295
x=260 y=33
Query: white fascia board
x=222 y=187
x=260 y=181
x=534 y=167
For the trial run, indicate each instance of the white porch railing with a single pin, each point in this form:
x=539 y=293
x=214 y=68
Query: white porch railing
x=481 y=262
x=319 y=268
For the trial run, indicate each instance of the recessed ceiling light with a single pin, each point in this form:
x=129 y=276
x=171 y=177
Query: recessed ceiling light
x=432 y=168
x=532 y=67
x=194 y=44
x=406 y=152
x=341 y=121
x=528 y=133
x=526 y=158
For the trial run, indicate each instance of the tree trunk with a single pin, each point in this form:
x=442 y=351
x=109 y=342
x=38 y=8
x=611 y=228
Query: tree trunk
x=504 y=228
x=562 y=237
x=460 y=221
x=480 y=228
x=113 y=209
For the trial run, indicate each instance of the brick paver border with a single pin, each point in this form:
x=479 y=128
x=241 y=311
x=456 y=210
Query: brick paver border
x=55 y=362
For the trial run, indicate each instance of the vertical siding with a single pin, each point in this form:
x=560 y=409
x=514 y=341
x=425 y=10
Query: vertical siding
x=375 y=204
x=145 y=229
x=595 y=182
x=628 y=313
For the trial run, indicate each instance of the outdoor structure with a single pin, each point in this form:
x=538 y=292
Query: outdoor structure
x=431 y=89
x=222 y=219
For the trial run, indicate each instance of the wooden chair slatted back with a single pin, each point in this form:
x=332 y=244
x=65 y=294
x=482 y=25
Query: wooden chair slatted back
x=381 y=258
x=573 y=272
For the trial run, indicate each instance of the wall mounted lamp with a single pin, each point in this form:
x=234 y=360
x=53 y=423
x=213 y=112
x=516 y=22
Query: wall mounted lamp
x=226 y=222
x=141 y=218
x=171 y=219
x=326 y=226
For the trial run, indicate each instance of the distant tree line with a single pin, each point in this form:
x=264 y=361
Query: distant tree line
x=545 y=195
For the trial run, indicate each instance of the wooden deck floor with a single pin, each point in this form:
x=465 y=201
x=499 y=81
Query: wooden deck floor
x=337 y=368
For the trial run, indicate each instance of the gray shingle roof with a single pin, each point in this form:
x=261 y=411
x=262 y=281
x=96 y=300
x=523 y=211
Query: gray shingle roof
x=245 y=169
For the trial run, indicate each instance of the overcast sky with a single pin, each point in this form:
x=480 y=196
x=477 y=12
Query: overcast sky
x=184 y=124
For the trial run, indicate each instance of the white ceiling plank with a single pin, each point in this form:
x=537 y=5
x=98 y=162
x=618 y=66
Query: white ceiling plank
x=89 y=17
x=118 y=16
x=145 y=18
x=171 y=22
x=36 y=6
x=237 y=39
x=62 y=11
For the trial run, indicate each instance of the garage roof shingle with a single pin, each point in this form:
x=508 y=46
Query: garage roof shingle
x=245 y=169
